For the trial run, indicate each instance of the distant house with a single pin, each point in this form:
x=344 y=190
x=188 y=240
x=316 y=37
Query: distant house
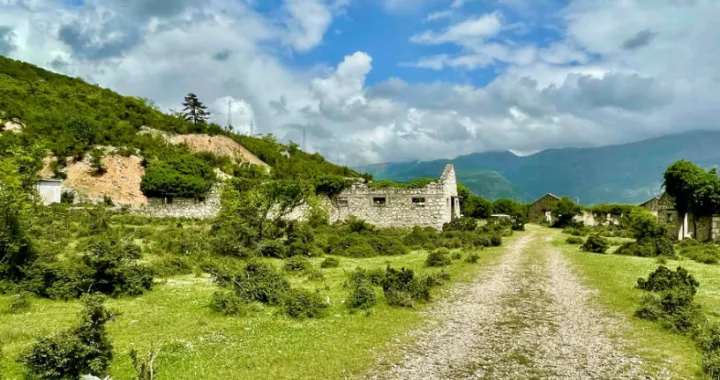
x=50 y=190
x=663 y=207
x=496 y=218
x=540 y=211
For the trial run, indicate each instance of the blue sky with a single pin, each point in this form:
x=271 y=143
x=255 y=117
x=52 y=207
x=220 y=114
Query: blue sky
x=380 y=80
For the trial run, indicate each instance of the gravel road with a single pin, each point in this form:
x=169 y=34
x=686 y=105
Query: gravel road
x=526 y=317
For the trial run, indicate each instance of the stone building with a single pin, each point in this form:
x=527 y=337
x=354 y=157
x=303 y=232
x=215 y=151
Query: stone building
x=49 y=190
x=540 y=211
x=702 y=228
x=431 y=206
x=196 y=208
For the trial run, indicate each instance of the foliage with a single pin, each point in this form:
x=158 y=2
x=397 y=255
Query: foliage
x=461 y=224
x=418 y=183
x=693 y=189
x=67 y=197
x=670 y=299
x=663 y=279
x=255 y=282
x=595 y=244
x=703 y=253
x=575 y=240
x=375 y=276
x=652 y=237
x=228 y=303
x=438 y=258
x=297 y=264
x=83 y=349
x=330 y=262
x=472 y=258
x=402 y=288
x=473 y=206
x=19 y=302
x=194 y=110
x=362 y=294
x=564 y=211
x=183 y=175
x=603 y=209
x=301 y=303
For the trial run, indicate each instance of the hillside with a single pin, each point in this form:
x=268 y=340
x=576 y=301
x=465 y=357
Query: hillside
x=626 y=173
x=70 y=118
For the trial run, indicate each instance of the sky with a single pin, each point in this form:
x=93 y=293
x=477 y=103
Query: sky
x=391 y=80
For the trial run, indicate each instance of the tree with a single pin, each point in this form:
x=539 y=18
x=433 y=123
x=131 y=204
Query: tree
x=194 y=110
x=694 y=190
x=564 y=211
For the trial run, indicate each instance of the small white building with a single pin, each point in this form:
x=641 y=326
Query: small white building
x=50 y=190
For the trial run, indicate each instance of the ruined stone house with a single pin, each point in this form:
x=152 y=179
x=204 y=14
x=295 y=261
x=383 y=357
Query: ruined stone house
x=433 y=205
x=540 y=211
x=702 y=228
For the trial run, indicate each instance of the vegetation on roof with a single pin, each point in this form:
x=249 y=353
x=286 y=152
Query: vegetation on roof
x=414 y=184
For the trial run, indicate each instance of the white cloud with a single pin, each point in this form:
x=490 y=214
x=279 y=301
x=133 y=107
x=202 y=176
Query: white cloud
x=598 y=83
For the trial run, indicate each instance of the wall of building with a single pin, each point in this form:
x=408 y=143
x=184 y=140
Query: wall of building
x=537 y=212
x=50 y=191
x=183 y=207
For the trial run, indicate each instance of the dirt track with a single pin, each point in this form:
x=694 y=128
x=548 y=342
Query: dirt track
x=526 y=317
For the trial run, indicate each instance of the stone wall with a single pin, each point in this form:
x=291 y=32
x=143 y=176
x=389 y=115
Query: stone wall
x=430 y=206
x=49 y=190
x=183 y=207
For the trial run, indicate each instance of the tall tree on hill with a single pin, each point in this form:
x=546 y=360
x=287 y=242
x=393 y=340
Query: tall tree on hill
x=195 y=111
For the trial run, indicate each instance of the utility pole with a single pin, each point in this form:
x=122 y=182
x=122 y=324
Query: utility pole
x=252 y=127
x=303 y=140
x=229 y=114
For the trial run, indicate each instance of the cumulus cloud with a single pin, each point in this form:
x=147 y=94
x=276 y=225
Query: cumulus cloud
x=610 y=72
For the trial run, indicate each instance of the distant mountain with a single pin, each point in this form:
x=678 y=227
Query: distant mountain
x=626 y=173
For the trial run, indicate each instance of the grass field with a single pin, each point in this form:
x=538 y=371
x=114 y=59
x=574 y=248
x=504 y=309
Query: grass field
x=615 y=276
x=199 y=344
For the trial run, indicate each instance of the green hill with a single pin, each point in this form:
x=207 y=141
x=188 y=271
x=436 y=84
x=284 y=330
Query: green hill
x=69 y=117
x=626 y=173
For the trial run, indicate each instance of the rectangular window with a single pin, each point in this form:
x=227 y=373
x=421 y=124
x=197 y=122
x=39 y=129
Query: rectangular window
x=342 y=202
x=379 y=201
x=418 y=202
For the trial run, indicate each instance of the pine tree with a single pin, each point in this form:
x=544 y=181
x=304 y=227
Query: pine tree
x=195 y=111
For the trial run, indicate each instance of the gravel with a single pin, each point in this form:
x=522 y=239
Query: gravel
x=526 y=317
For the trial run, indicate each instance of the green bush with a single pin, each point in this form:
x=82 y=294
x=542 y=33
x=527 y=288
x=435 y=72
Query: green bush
x=461 y=224
x=228 y=303
x=472 y=258
x=374 y=276
x=362 y=294
x=330 y=262
x=575 y=240
x=183 y=175
x=403 y=289
x=387 y=245
x=456 y=256
x=297 y=264
x=255 y=282
x=419 y=237
x=273 y=248
x=702 y=253
x=595 y=244
x=75 y=352
x=19 y=303
x=172 y=266
x=670 y=299
x=577 y=231
x=301 y=303
x=438 y=258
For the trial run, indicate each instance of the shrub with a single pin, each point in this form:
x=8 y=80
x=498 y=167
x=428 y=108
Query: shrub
x=596 y=244
x=461 y=224
x=255 y=282
x=670 y=299
x=665 y=279
x=19 y=302
x=472 y=258
x=435 y=279
x=702 y=253
x=96 y=163
x=374 y=276
x=228 y=303
x=358 y=225
x=114 y=270
x=273 y=248
x=402 y=288
x=495 y=240
x=575 y=240
x=419 y=237
x=75 y=352
x=438 y=258
x=387 y=246
x=330 y=262
x=297 y=264
x=300 y=303
x=172 y=266
x=575 y=231
x=456 y=256
x=182 y=175
x=67 y=197
x=362 y=294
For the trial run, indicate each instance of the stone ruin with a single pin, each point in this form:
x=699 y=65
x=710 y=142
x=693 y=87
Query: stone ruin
x=431 y=206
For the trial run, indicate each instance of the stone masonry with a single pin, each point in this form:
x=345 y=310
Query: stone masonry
x=431 y=206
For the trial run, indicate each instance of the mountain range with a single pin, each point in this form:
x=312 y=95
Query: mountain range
x=626 y=173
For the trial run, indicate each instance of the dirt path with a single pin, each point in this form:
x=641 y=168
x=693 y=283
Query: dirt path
x=527 y=317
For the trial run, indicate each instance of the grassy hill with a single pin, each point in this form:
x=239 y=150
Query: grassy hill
x=626 y=173
x=70 y=117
